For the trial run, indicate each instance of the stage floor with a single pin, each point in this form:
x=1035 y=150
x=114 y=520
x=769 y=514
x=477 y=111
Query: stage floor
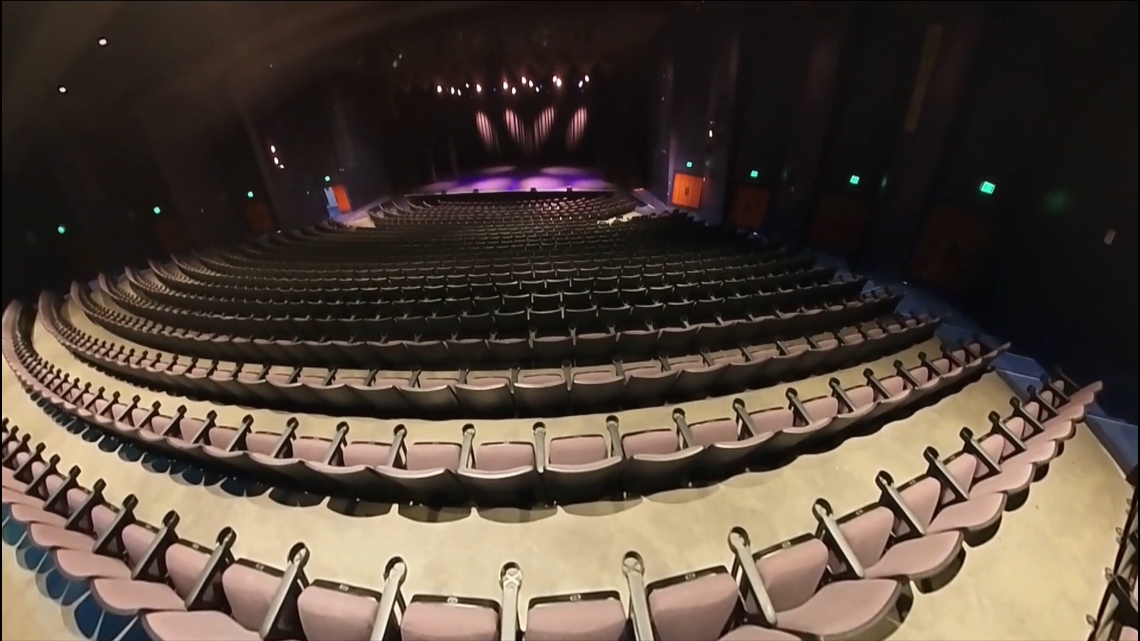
x=1036 y=580
x=510 y=178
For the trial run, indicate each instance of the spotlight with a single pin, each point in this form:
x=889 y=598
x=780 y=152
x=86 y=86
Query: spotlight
x=439 y=88
x=459 y=92
x=587 y=78
x=467 y=84
x=523 y=80
x=272 y=149
x=530 y=84
x=504 y=85
x=62 y=89
x=276 y=161
x=710 y=133
x=512 y=91
x=554 y=80
x=102 y=42
x=579 y=84
x=453 y=91
x=280 y=166
x=478 y=88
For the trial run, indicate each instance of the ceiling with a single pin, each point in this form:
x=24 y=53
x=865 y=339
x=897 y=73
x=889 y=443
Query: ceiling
x=173 y=60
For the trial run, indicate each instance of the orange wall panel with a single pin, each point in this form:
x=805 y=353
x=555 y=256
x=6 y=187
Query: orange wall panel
x=749 y=207
x=342 y=202
x=838 y=224
x=687 y=190
x=953 y=250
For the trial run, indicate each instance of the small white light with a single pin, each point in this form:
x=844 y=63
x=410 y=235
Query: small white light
x=459 y=92
x=281 y=166
x=710 y=133
x=102 y=42
x=275 y=161
x=554 y=79
x=478 y=88
x=512 y=91
x=62 y=89
x=579 y=84
x=467 y=84
x=272 y=149
x=504 y=85
x=587 y=77
x=439 y=88
x=523 y=80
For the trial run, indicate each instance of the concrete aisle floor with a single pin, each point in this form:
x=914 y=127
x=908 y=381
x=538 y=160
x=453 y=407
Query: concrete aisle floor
x=1036 y=580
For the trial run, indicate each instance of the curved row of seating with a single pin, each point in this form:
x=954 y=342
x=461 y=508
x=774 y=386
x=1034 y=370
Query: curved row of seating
x=538 y=349
x=1116 y=617
x=855 y=574
x=479 y=282
x=567 y=469
x=467 y=318
x=442 y=394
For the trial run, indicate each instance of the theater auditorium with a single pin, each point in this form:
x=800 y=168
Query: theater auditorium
x=548 y=321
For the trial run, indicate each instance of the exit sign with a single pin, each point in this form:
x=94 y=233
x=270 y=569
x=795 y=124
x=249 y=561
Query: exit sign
x=987 y=187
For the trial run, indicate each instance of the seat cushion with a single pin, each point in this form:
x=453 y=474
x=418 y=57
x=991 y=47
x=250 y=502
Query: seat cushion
x=974 y=514
x=50 y=537
x=77 y=565
x=757 y=633
x=433 y=621
x=589 y=620
x=842 y=608
x=204 y=625
x=125 y=597
x=25 y=513
x=1013 y=478
x=918 y=558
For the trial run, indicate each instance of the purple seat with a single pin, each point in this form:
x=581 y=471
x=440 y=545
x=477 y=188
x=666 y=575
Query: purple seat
x=330 y=614
x=542 y=394
x=596 y=391
x=428 y=472
x=579 y=467
x=657 y=459
x=698 y=606
x=503 y=474
x=792 y=577
x=78 y=565
x=918 y=558
x=124 y=596
x=599 y=617
x=249 y=593
x=937 y=513
x=441 y=620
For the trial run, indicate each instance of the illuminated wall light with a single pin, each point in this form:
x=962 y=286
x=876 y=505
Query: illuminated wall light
x=61 y=230
x=504 y=85
x=276 y=161
x=249 y=194
x=710 y=133
x=102 y=42
x=579 y=84
x=753 y=174
x=513 y=91
x=987 y=187
x=467 y=84
x=328 y=178
x=689 y=165
x=280 y=166
x=439 y=88
x=62 y=89
x=478 y=88
x=587 y=78
x=523 y=80
x=854 y=180
x=157 y=210
x=272 y=149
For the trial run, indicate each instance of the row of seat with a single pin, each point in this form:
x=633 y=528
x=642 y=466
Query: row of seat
x=758 y=295
x=446 y=319
x=186 y=278
x=537 y=348
x=854 y=574
x=489 y=393
x=565 y=469
x=1116 y=617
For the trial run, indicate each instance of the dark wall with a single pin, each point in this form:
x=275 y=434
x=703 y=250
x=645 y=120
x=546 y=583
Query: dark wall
x=1051 y=116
